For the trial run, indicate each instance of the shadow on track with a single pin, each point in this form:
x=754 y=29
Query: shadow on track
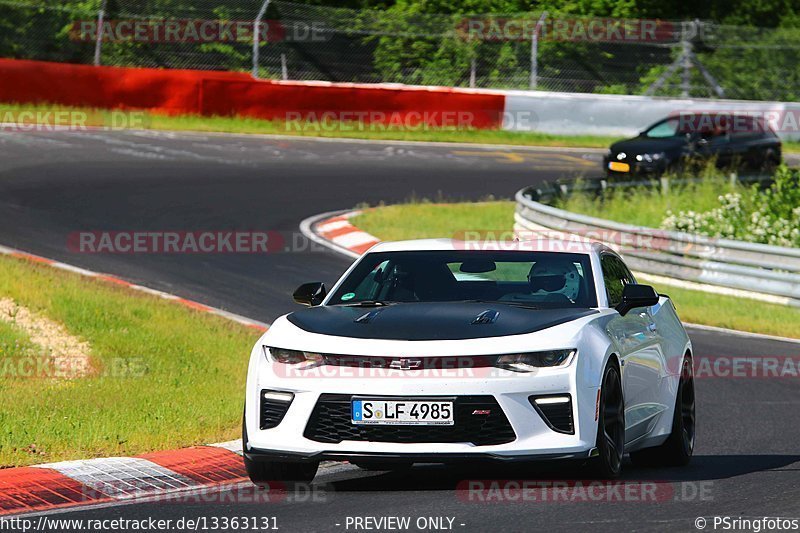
x=438 y=477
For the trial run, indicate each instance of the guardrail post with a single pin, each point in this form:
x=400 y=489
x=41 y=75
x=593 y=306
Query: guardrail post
x=664 y=185
x=734 y=178
x=98 y=38
x=257 y=36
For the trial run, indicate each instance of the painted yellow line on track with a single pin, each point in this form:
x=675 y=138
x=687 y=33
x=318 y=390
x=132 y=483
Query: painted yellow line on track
x=505 y=157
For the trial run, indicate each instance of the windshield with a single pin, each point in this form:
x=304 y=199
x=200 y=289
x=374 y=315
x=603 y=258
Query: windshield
x=536 y=279
x=665 y=128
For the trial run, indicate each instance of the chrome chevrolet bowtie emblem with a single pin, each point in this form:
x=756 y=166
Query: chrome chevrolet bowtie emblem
x=405 y=364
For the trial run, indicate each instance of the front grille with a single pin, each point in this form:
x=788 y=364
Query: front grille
x=454 y=362
x=331 y=422
x=556 y=415
x=272 y=411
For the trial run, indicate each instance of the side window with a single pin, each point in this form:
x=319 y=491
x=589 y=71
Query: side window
x=615 y=275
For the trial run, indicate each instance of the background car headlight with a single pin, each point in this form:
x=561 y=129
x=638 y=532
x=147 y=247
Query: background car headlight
x=294 y=357
x=529 y=362
x=650 y=157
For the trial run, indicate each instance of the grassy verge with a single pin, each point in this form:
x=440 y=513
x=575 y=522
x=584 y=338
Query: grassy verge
x=165 y=376
x=651 y=204
x=426 y=220
x=348 y=130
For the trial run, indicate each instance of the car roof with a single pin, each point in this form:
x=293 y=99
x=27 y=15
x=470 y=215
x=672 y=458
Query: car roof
x=543 y=245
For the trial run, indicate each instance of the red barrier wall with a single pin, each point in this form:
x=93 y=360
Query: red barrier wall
x=230 y=93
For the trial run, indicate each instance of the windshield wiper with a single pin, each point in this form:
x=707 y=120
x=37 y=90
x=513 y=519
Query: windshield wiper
x=522 y=305
x=505 y=302
x=368 y=303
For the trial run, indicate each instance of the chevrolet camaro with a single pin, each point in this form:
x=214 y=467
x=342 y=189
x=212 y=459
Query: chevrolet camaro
x=433 y=352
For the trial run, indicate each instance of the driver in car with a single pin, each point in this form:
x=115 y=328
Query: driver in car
x=551 y=281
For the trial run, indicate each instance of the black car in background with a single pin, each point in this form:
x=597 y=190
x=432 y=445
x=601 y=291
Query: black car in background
x=740 y=142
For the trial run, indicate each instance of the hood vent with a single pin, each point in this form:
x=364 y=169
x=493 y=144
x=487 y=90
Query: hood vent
x=487 y=317
x=367 y=317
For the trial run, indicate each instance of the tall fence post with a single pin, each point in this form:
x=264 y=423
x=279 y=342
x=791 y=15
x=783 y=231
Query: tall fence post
x=284 y=68
x=473 y=67
x=686 y=59
x=257 y=36
x=535 y=52
x=98 y=38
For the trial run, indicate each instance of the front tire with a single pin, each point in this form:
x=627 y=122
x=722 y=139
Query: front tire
x=610 y=426
x=679 y=446
x=262 y=473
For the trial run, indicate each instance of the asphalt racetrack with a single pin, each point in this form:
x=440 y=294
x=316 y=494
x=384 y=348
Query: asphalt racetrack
x=747 y=460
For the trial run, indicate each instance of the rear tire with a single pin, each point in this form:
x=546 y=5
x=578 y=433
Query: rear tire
x=678 y=448
x=262 y=473
x=610 y=426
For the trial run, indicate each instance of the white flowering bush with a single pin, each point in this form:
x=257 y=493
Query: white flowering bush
x=770 y=216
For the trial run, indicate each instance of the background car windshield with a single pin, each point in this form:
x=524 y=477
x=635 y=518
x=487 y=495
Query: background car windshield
x=539 y=279
x=665 y=128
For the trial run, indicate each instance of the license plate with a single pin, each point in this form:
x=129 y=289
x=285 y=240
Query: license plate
x=402 y=412
x=619 y=167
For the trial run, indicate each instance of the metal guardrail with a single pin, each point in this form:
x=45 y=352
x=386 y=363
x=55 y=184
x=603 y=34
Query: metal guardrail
x=757 y=268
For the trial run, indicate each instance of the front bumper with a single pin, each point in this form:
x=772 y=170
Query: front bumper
x=365 y=457
x=535 y=438
x=636 y=168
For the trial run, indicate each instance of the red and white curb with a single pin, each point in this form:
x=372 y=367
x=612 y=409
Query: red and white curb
x=260 y=326
x=101 y=481
x=334 y=231
x=98 y=481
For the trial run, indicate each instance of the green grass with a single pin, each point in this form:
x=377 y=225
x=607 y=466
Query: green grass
x=166 y=376
x=791 y=146
x=348 y=130
x=13 y=342
x=429 y=220
x=651 y=205
x=433 y=220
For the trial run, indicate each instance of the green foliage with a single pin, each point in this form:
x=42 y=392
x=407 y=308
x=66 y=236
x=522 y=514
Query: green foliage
x=770 y=216
x=419 y=42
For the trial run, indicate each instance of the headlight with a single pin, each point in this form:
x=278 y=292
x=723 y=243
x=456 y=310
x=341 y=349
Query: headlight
x=529 y=362
x=294 y=357
x=650 y=157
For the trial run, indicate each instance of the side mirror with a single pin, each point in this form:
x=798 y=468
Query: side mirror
x=310 y=294
x=634 y=296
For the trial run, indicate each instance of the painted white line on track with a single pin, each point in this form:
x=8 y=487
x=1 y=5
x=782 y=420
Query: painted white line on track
x=179 y=134
x=739 y=333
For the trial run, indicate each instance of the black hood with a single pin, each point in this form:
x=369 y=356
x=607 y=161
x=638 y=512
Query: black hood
x=431 y=321
x=648 y=145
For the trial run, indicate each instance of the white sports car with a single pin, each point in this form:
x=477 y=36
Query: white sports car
x=428 y=351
